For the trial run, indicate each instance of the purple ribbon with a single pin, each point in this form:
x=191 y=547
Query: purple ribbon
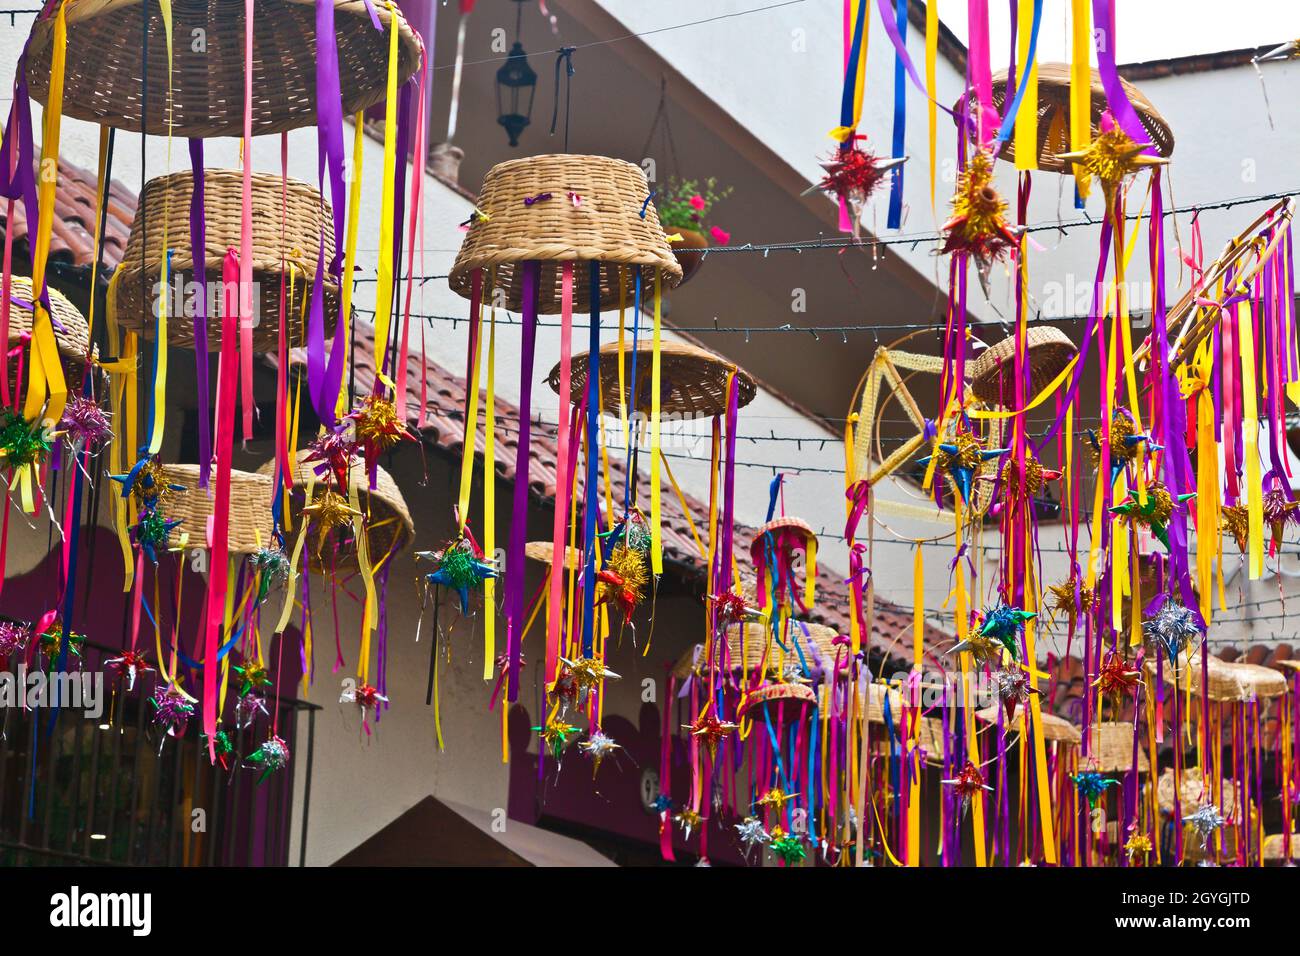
x=1103 y=15
x=514 y=589
x=21 y=186
x=329 y=121
x=317 y=370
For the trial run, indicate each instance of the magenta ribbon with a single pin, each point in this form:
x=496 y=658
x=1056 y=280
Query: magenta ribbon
x=726 y=530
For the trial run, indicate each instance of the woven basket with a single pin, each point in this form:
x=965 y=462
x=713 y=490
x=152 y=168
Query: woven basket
x=1055 y=729
x=544 y=552
x=1192 y=793
x=1112 y=749
x=1274 y=849
x=929 y=738
x=992 y=374
x=1054 y=115
x=306 y=217
x=73 y=341
x=389 y=524
x=776 y=525
x=795 y=696
x=692 y=381
x=604 y=224
x=1229 y=681
x=106 y=69
x=757 y=639
x=251 y=495
x=876 y=694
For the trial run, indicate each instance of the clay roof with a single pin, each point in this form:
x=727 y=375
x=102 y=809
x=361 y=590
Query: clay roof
x=72 y=240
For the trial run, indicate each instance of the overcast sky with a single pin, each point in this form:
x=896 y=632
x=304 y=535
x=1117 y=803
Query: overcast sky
x=1147 y=29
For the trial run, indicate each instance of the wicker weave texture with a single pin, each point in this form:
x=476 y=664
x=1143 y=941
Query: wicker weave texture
x=110 y=81
x=692 y=381
x=544 y=553
x=1193 y=792
x=1229 y=681
x=389 y=524
x=289 y=219
x=992 y=374
x=250 y=509
x=1112 y=748
x=1054 y=115
x=73 y=341
x=593 y=213
x=1055 y=729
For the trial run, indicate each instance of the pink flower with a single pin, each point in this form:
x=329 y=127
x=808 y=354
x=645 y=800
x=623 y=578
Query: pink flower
x=697 y=202
x=720 y=236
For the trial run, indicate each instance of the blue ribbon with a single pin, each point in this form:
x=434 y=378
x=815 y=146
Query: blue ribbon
x=895 y=217
x=851 y=71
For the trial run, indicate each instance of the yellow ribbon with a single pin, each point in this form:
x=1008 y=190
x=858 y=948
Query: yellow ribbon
x=1080 y=87
x=490 y=495
x=384 y=268
x=1026 y=132
x=344 y=333
x=45 y=377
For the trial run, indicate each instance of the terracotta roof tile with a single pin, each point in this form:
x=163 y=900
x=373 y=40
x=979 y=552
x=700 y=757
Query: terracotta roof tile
x=72 y=237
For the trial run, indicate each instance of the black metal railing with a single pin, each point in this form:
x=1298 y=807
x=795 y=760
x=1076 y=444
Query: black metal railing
x=117 y=790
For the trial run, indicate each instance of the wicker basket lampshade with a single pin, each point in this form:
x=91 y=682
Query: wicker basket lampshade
x=1193 y=792
x=749 y=650
x=929 y=739
x=251 y=495
x=560 y=208
x=791 y=697
x=1229 y=681
x=992 y=374
x=544 y=553
x=306 y=217
x=1055 y=729
x=1054 y=115
x=692 y=381
x=73 y=339
x=1112 y=748
x=1275 y=848
x=107 y=71
x=389 y=525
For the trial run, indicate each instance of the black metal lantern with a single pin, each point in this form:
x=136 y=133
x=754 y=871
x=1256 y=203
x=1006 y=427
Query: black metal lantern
x=516 y=84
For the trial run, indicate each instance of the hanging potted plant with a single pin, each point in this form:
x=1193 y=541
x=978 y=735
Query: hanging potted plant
x=684 y=206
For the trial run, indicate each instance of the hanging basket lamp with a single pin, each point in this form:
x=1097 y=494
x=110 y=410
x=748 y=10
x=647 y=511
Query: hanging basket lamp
x=107 y=71
x=251 y=495
x=992 y=374
x=294 y=206
x=692 y=381
x=562 y=208
x=388 y=524
x=1054 y=115
x=71 y=331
